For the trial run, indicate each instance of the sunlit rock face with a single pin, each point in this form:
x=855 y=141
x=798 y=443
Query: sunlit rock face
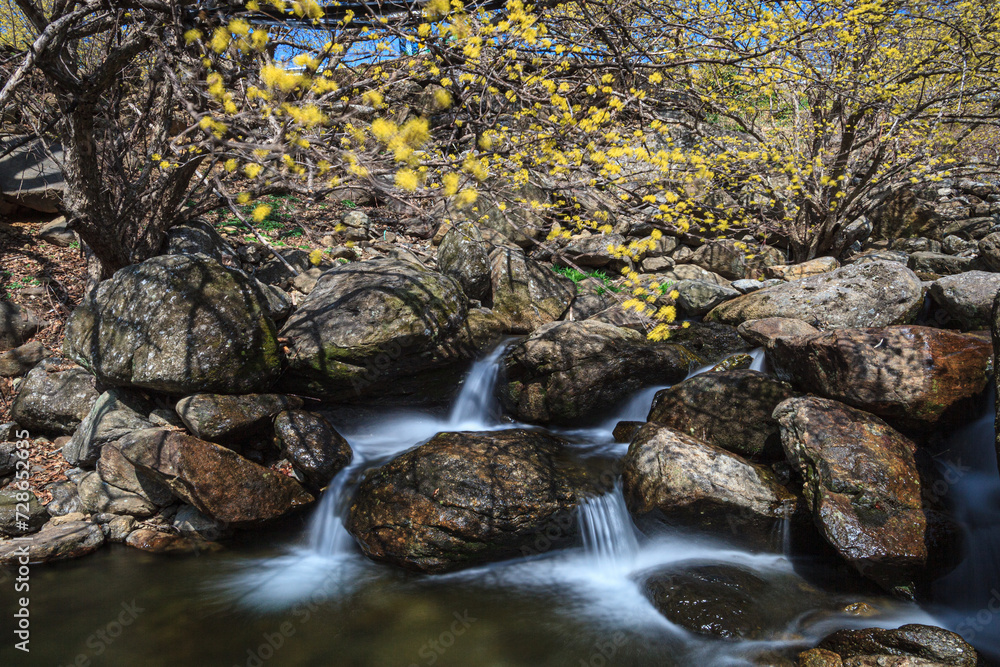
x=180 y=324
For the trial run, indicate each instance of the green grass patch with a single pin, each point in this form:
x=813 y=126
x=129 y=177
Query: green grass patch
x=578 y=276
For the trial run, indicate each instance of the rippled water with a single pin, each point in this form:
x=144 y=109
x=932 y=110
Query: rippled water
x=305 y=595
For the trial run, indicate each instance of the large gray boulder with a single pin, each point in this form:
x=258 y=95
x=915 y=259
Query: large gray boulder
x=869 y=493
x=968 y=297
x=572 y=372
x=873 y=294
x=464 y=255
x=383 y=328
x=54 y=397
x=180 y=324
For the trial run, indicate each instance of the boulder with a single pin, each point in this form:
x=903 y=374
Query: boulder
x=20 y=512
x=57 y=233
x=117 y=471
x=697 y=297
x=897 y=256
x=709 y=341
x=198 y=237
x=224 y=418
x=927 y=643
x=179 y=324
x=217 y=481
x=572 y=372
x=467 y=498
x=526 y=295
x=657 y=264
x=464 y=255
x=55 y=541
x=913 y=376
x=748 y=285
x=728 y=409
x=115 y=413
x=160 y=542
x=813 y=267
x=989 y=252
x=693 y=482
x=971 y=228
x=384 y=328
x=590 y=251
x=65 y=498
x=872 y=294
x=20 y=360
x=691 y=272
x=868 y=492
x=98 y=497
x=54 y=397
x=968 y=297
x=316 y=450
x=17 y=324
x=762 y=332
x=917 y=244
x=725 y=257
x=941 y=264
x=956 y=245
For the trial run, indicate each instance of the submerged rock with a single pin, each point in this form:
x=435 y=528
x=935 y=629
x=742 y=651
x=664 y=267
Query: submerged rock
x=54 y=397
x=927 y=643
x=729 y=409
x=55 y=541
x=873 y=294
x=868 y=491
x=913 y=376
x=467 y=498
x=568 y=372
x=180 y=324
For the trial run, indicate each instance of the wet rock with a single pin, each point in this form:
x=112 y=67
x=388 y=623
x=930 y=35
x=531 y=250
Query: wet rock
x=697 y=297
x=99 y=496
x=115 y=413
x=158 y=542
x=710 y=341
x=813 y=267
x=968 y=297
x=913 y=376
x=762 y=332
x=224 y=418
x=925 y=642
x=818 y=657
x=54 y=397
x=217 y=481
x=118 y=471
x=17 y=324
x=55 y=542
x=728 y=601
x=624 y=431
x=725 y=257
x=729 y=409
x=464 y=256
x=197 y=236
x=180 y=324
x=868 y=493
x=65 y=498
x=568 y=372
x=467 y=498
x=871 y=294
x=316 y=450
x=20 y=360
x=694 y=482
x=526 y=294
x=378 y=328
x=735 y=362
x=17 y=521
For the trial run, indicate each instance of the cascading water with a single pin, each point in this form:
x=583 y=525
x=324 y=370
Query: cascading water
x=476 y=404
x=607 y=529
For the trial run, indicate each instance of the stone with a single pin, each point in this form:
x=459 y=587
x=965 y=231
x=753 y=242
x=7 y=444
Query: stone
x=588 y=305
x=571 y=372
x=224 y=418
x=20 y=360
x=17 y=325
x=306 y=281
x=180 y=324
x=57 y=233
x=217 y=481
x=935 y=645
x=657 y=264
x=694 y=482
x=115 y=413
x=159 y=542
x=855 y=232
x=116 y=470
x=523 y=220
x=724 y=257
x=526 y=295
x=860 y=295
x=989 y=252
x=697 y=297
x=467 y=498
x=99 y=496
x=31 y=176
x=709 y=341
x=913 y=376
x=118 y=528
x=464 y=255
x=314 y=447
x=624 y=431
x=691 y=272
x=191 y=523
x=971 y=228
x=968 y=297
x=728 y=409
x=274 y=272
x=941 y=264
x=918 y=244
x=813 y=267
x=747 y=285
x=65 y=498
x=54 y=397
x=15 y=520
x=762 y=332
x=897 y=256
x=866 y=486
x=383 y=328
x=955 y=245
x=817 y=657
x=277 y=301
x=198 y=237
x=62 y=541
x=590 y=251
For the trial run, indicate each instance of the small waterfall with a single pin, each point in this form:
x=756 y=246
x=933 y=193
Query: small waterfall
x=477 y=404
x=607 y=528
x=327 y=534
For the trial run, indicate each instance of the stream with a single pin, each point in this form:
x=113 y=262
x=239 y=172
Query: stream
x=304 y=595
